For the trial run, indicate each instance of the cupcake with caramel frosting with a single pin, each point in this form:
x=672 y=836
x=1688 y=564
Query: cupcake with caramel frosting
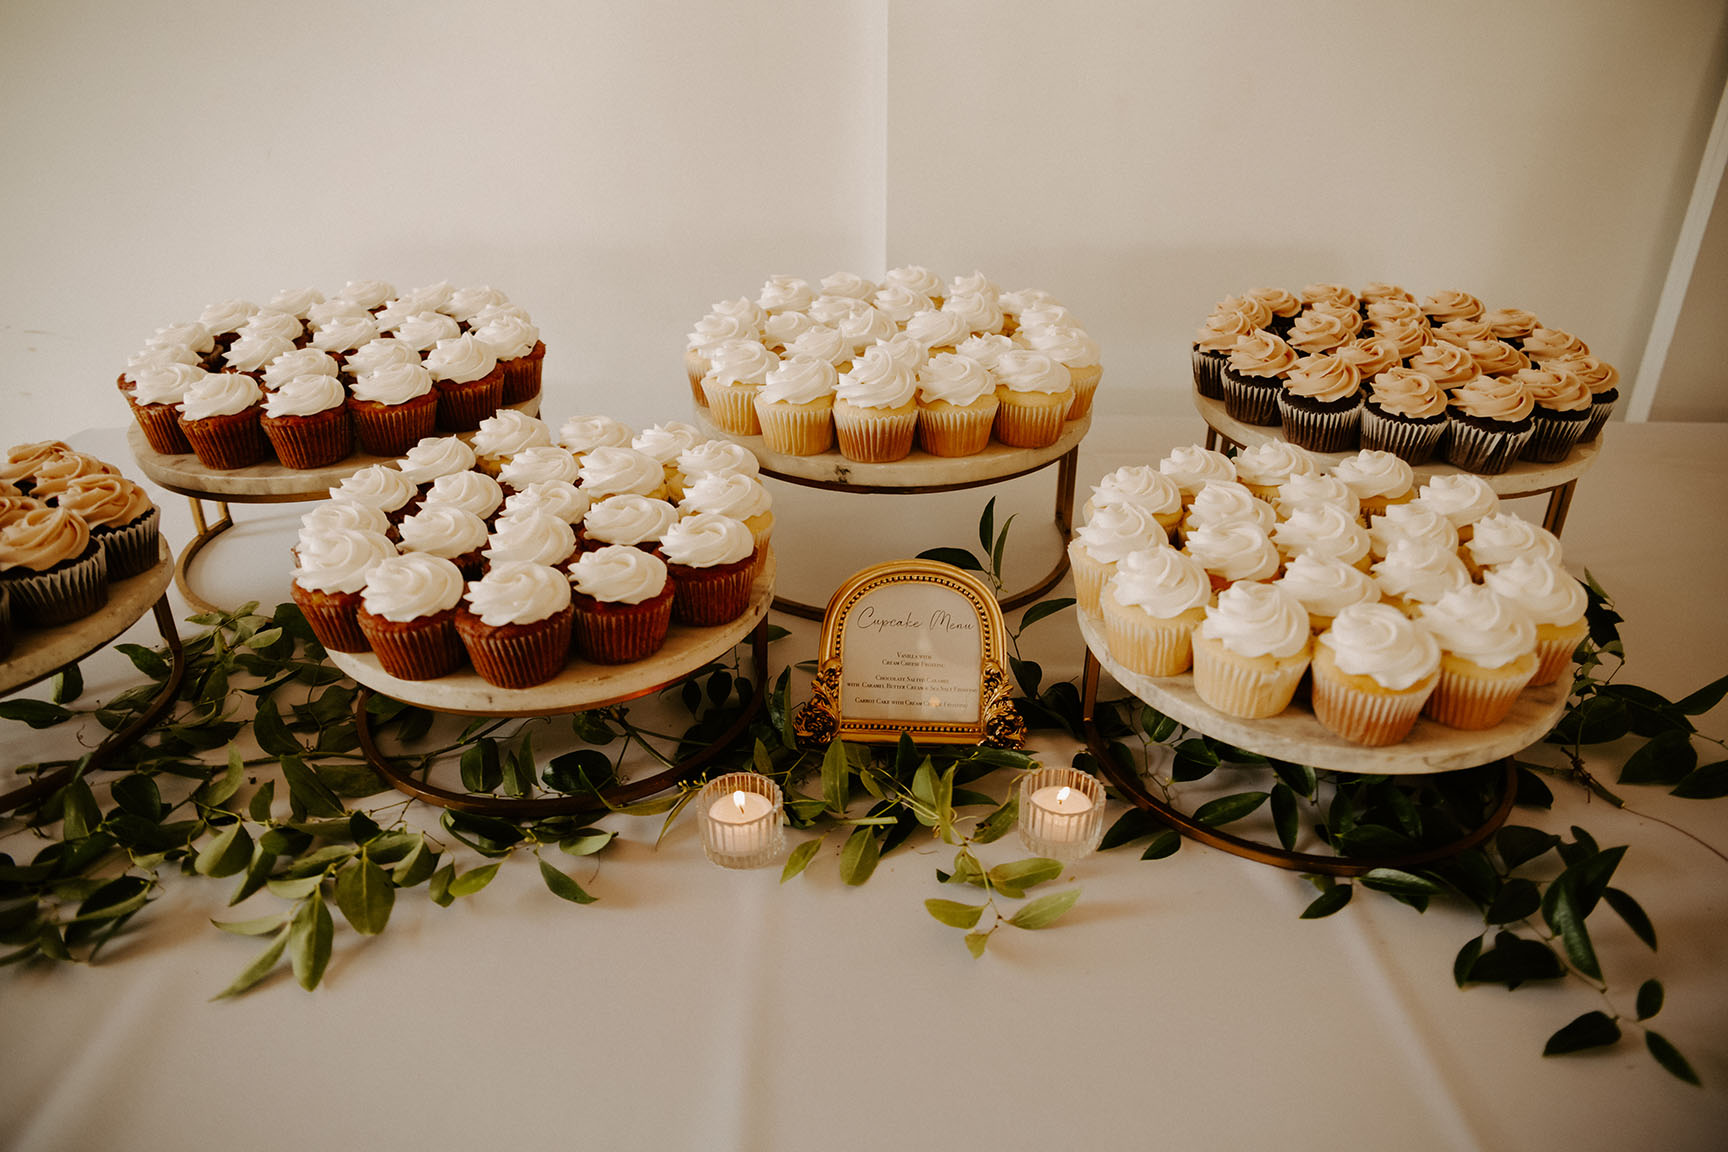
x=1561 y=412
x=1320 y=404
x=1490 y=422
x=1404 y=414
x=1604 y=383
x=1252 y=376
x=51 y=570
x=121 y=518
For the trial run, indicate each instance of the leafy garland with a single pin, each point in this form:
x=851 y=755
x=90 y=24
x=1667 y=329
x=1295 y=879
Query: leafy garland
x=169 y=807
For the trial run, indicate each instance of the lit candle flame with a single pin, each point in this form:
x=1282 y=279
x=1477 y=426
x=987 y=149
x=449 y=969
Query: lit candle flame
x=738 y=799
x=1062 y=797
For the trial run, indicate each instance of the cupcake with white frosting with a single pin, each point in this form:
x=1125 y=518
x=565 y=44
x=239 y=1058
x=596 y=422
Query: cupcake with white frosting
x=505 y=433
x=407 y=613
x=742 y=497
x=1326 y=586
x=534 y=536
x=327 y=584
x=1488 y=655
x=1192 y=467
x=155 y=398
x=450 y=533
x=1145 y=486
x=1078 y=352
x=1111 y=533
x=582 y=434
x=469 y=382
x=377 y=486
x=393 y=408
x=219 y=417
x=541 y=464
x=473 y=492
x=1035 y=391
x=1554 y=600
x=618 y=471
x=628 y=520
x=723 y=456
x=622 y=599
x=1373 y=670
x=1233 y=551
x=515 y=341
x=1325 y=530
x=306 y=421
x=515 y=624
x=795 y=407
x=1264 y=468
x=876 y=409
x=1503 y=537
x=711 y=562
x=957 y=405
x=1461 y=498
x=1251 y=650
x=1418 y=571
x=1377 y=478
x=433 y=457
x=1220 y=501
x=739 y=369
x=1151 y=605
x=665 y=443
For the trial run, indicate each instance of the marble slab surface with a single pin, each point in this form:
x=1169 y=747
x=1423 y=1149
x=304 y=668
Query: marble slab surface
x=266 y=483
x=581 y=684
x=918 y=470
x=1524 y=478
x=39 y=652
x=1296 y=735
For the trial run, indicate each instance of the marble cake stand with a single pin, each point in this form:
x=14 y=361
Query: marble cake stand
x=921 y=472
x=578 y=687
x=39 y=653
x=1295 y=735
x=1524 y=478
x=269 y=483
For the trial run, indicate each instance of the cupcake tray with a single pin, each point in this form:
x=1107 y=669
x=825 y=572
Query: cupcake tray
x=921 y=472
x=580 y=686
x=1295 y=735
x=270 y=483
x=1524 y=478
x=38 y=653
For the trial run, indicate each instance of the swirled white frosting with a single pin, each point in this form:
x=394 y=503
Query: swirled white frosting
x=443 y=530
x=376 y=486
x=305 y=396
x=707 y=539
x=820 y=342
x=543 y=464
x=336 y=308
x=986 y=349
x=862 y=327
x=739 y=362
x=1073 y=346
x=1542 y=589
x=253 y=351
x=1118 y=529
x=974 y=283
x=1380 y=642
x=628 y=519
x=465 y=302
x=848 y=284
x=903 y=349
x=1253 y=619
x=539 y=537
x=915 y=277
x=583 y=434
x=1421 y=570
x=1315 y=488
x=436 y=456
x=784 y=327
x=665 y=441
x=1503 y=538
x=220 y=394
x=1461 y=497
x=1139 y=484
x=715 y=329
x=609 y=471
x=1192 y=466
x=473 y=492
x=723 y=456
x=1046 y=314
x=1411 y=521
x=345 y=515
x=958 y=380
x=410 y=586
x=226 y=316
x=1480 y=625
x=798 y=380
x=461 y=360
x=981 y=314
x=148 y=358
x=518 y=593
x=191 y=334
x=737 y=495
x=900 y=303
x=1272 y=463
x=1233 y=550
x=300 y=362
x=367 y=293
x=508 y=336
x=378 y=355
x=619 y=575
x=1322 y=530
x=1220 y=501
x=831 y=310
x=339 y=561
x=270 y=322
x=1020 y=300
x=933 y=329
x=508 y=431
x=781 y=293
x=393 y=384
x=877 y=380
x=1325 y=585
x=563 y=500
x=296 y=301
x=1371 y=472
x=166 y=384
x=1025 y=370
x=341 y=333
x=1160 y=581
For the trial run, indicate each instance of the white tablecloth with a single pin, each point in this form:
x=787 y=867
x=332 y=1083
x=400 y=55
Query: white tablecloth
x=1182 y=1004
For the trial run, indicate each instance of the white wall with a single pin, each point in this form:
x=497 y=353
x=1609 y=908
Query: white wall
x=617 y=167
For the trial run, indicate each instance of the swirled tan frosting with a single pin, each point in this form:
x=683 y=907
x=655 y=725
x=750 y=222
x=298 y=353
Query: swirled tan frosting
x=1371 y=355
x=1503 y=398
x=1319 y=331
x=1329 y=293
x=1261 y=354
x=42 y=537
x=1447 y=364
x=1452 y=305
x=1496 y=357
x=1408 y=393
x=1278 y=300
x=1462 y=332
x=1322 y=377
x=105 y=501
x=1553 y=344
x=1556 y=387
x=1511 y=323
x=1598 y=376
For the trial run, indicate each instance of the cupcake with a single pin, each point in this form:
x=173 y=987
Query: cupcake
x=1511 y=324
x=781 y=328
x=957 y=405
x=1233 y=551
x=665 y=443
x=1544 y=344
x=470 y=301
x=468 y=379
x=1373 y=671
x=1325 y=587
x=220 y=420
x=473 y=492
x=980 y=312
x=1465 y=333
x=565 y=501
x=368 y=294
x=327 y=583
x=306 y=421
x=622 y=471
x=224 y=320
x=717 y=456
x=848 y=284
x=60 y=470
x=1306 y=488
x=1370 y=356
x=739 y=369
x=820 y=342
x=900 y=303
x=1410 y=521
x=542 y=464
x=433 y=457
x=1461 y=498
x=795 y=407
x=1404 y=413
x=385 y=352
x=1415 y=572
x=1445 y=307
x=155 y=398
x=122 y=520
x=1251 y=650
x=1151 y=605
x=1554 y=601
x=300 y=362
x=340 y=516
x=937 y=331
x=1325 y=530
x=1212 y=346
x=340 y=335
x=421 y=330
x=711 y=563
x=1320 y=330
x=1077 y=352
x=407 y=613
x=1145 y=487
x=24 y=460
x=1603 y=382
x=623 y=604
x=876 y=409
x=1113 y=531
x=1034 y=393
x=1337 y=296
x=51 y=569
x=1490 y=422
x=861 y=327
x=1488 y=655
x=582 y=434
x=531 y=536
x=1222 y=501
x=449 y=533
x=1320 y=404
x=1562 y=407
x=782 y=293
x=253 y=351
x=521 y=355
x=1192 y=467
x=515 y=624
x=1496 y=357
x=916 y=278
x=628 y=520
x=1253 y=375
x=377 y=486
x=505 y=433
x=1447 y=365
x=1502 y=538
x=1377 y=478
x=739 y=496
x=1264 y=468
x=393 y=408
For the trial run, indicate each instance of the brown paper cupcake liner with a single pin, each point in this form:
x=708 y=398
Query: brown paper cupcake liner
x=1209 y=373
x=1030 y=425
x=234 y=440
x=1318 y=428
x=516 y=655
x=621 y=633
x=1252 y=399
x=1089 y=577
x=874 y=436
x=1366 y=717
x=1147 y=645
x=421 y=649
x=1245 y=688
x=392 y=429
x=332 y=617
x=161 y=426
x=1412 y=441
x=1552 y=435
x=1477 y=698
x=71 y=590
x=1555 y=644
x=522 y=375
x=704 y=597
x=795 y=429
x=734 y=407
x=131 y=549
x=314 y=441
x=956 y=431
x=462 y=406
x=1485 y=451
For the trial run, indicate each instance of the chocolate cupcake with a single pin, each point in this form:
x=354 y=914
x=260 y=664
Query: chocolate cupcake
x=1404 y=414
x=1253 y=375
x=408 y=612
x=122 y=520
x=1603 y=382
x=623 y=604
x=52 y=570
x=1561 y=413
x=1489 y=423
x=515 y=624
x=1320 y=404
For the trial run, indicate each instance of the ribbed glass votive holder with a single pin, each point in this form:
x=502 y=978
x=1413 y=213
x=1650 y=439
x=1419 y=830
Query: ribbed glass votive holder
x=1061 y=813
x=739 y=816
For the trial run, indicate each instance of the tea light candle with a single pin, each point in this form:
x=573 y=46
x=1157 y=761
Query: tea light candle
x=1061 y=813
x=738 y=815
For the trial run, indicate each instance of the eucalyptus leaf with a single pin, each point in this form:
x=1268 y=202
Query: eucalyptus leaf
x=1649 y=999
x=1518 y=844
x=258 y=808
x=1285 y=817
x=1669 y=1057
x=257 y=927
x=146 y=660
x=953 y=913
x=799 y=858
x=137 y=794
x=217 y=790
x=310 y=934
x=271 y=733
x=1228 y=809
x=835 y=775
x=976 y=942
x=439 y=888
x=999 y=823
x=297 y=888
x=473 y=880
x=562 y=886
x=585 y=841
x=120 y=896
x=416 y=867
x=858 y=856
x=259 y=968
x=227 y=853
x=1518 y=899
x=1044 y=911
x=1466 y=960
x=480 y=767
x=1707 y=783
x=78 y=809
x=1014 y=878
x=306 y=792
x=1132 y=825
x=1164 y=844
x=1591 y=1030
x=1328 y=902
x=365 y=896
x=987 y=525
x=1396 y=882
x=1514 y=960
x=36 y=713
x=1633 y=914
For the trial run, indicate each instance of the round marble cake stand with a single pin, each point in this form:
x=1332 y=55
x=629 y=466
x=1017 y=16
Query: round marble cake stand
x=921 y=472
x=578 y=687
x=38 y=653
x=1297 y=736
x=1524 y=478
x=270 y=483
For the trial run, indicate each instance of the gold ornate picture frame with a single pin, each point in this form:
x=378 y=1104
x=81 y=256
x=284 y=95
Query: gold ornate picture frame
x=912 y=646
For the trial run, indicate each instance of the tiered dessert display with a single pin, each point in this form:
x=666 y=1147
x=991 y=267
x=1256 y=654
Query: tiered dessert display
x=81 y=560
x=1354 y=618
x=913 y=385
x=279 y=404
x=1445 y=383
x=523 y=577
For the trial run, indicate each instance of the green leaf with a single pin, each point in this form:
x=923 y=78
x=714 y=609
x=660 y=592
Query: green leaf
x=799 y=858
x=1045 y=608
x=67 y=685
x=218 y=789
x=976 y=942
x=1285 y=816
x=1044 y=911
x=1193 y=761
x=79 y=810
x=36 y=713
x=563 y=886
x=958 y=557
x=308 y=793
x=1649 y=999
x=416 y=867
x=945 y=805
x=1589 y=878
x=1299 y=778
x=1518 y=899
x=473 y=880
x=1518 y=844
x=1399 y=883
x=835 y=774
x=1699 y=703
x=987 y=525
x=138 y=794
x=259 y=968
x=1665 y=759
x=1669 y=1057
x=146 y=660
x=271 y=733
x=1597 y=720
x=1707 y=783
x=365 y=896
x=1466 y=960
x=520 y=773
x=998 y=824
x=1560 y=910
x=439 y=888
x=259 y=806
x=1633 y=914
x=1227 y=809
x=858 y=856
x=297 y=888
x=1157 y=726
x=1001 y=547
x=481 y=770
x=1014 y=878
x=1328 y=901
x=953 y=913
x=227 y=853
x=1591 y=1030
x=258 y=927
x=1164 y=844
x=1129 y=827
x=120 y=896
x=585 y=841
x=309 y=938
x=1513 y=960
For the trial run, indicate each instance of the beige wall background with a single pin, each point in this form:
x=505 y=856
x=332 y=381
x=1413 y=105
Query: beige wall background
x=617 y=168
